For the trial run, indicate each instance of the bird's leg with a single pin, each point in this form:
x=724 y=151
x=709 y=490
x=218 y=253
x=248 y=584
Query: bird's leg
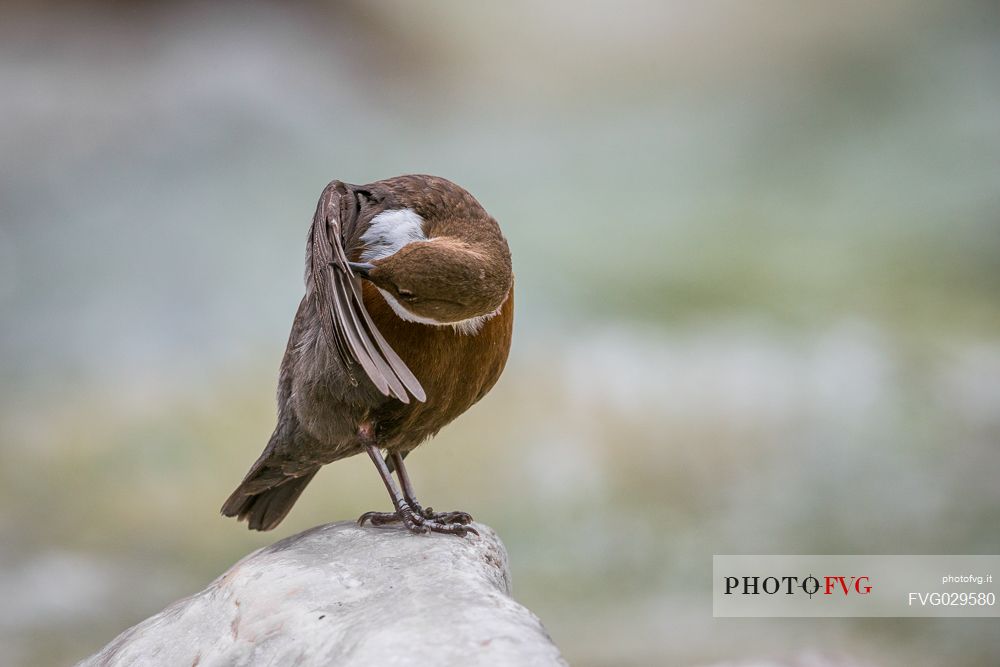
x=415 y=522
x=410 y=496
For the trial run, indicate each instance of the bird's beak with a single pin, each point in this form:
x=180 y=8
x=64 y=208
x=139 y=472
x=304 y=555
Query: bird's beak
x=361 y=269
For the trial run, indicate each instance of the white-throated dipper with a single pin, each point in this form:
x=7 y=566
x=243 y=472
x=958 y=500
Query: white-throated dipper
x=405 y=324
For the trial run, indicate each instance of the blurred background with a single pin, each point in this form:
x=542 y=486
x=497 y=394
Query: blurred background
x=758 y=258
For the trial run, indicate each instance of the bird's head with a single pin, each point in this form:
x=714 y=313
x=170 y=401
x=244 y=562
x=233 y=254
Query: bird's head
x=441 y=280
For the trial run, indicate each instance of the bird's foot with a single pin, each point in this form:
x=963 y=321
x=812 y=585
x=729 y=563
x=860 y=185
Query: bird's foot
x=463 y=518
x=423 y=520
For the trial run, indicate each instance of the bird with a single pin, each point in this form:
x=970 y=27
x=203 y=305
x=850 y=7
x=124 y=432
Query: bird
x=406 y=323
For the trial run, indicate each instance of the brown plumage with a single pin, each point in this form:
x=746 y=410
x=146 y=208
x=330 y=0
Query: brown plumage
x=361 y=374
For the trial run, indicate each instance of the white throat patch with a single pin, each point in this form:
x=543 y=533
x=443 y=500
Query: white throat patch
x=389 y=231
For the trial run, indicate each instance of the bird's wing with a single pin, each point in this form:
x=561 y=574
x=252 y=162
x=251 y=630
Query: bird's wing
x=345 y=323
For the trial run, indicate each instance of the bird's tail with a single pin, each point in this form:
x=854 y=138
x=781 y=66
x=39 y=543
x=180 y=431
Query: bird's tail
x=266 y=496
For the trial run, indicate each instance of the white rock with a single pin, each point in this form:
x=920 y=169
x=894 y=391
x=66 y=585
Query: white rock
x=343 y=595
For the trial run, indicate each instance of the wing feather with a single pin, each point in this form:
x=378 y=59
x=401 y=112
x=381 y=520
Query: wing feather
x=344 y=320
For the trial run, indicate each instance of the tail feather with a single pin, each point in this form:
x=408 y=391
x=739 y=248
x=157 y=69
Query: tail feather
x=264 y=499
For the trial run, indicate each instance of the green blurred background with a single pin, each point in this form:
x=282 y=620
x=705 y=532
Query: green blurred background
x=758 y=259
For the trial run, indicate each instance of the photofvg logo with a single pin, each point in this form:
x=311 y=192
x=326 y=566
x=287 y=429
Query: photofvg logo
x=788 y=585
x=837 y=586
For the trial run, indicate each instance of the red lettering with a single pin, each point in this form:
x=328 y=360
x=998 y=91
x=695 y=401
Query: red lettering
x=831 y=583
x=845 y=584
